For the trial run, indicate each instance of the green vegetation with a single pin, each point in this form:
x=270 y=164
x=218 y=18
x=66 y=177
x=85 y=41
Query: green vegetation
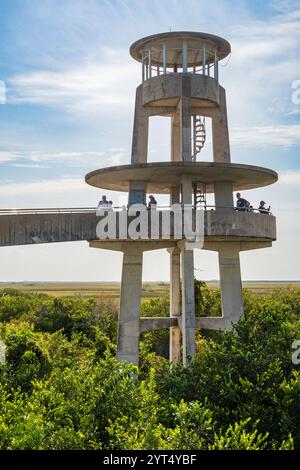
x=61 y=387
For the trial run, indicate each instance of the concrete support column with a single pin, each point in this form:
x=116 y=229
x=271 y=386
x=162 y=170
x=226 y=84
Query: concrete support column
x=175 y=307
x=188 y=305
x=186 y=189
x=223 y=194
x=139 y=151
x=221 y=147
x=187 y=276
x=175 y=138
x=185 y=120
x=230 y=281
x=130 y=301
x=137 y=186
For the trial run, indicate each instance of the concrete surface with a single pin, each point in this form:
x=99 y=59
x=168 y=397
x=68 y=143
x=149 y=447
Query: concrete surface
x=220 y=225
x=174 y=39
x=130 y=301
x=161 y=177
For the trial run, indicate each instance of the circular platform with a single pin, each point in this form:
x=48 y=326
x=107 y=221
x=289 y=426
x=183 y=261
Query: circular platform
x=173 y=41
x=163 y=176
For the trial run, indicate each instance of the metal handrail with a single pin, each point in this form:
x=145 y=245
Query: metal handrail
x=83 y=210
x=50 y=210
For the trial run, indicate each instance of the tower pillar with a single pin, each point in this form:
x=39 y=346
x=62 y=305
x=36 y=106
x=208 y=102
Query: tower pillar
x=175 y=137
x=188 y=290
x=185 y=111
x=175 y=306
x=139 y=150
x=220 y=134
x=188 y=322
x=223 y=195
x=130 y=302
x=230 y=281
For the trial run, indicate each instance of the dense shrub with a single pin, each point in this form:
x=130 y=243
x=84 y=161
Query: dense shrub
x=61 y=387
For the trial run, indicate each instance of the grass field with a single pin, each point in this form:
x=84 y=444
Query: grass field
x=87 y=289
x=112 y=289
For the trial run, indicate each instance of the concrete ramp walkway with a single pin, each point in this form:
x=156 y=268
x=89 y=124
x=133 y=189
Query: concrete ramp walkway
x=33 y=226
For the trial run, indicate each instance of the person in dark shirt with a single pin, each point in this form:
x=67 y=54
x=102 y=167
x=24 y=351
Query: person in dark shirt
x=241 y=203
x=104 y=202
x=152 y=202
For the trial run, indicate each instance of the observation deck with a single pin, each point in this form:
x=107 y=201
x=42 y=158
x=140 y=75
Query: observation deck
x=180 y=51
x=162 y=177
x=36 y=226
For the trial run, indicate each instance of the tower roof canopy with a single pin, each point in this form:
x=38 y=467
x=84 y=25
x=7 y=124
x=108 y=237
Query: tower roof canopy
x=174 y=53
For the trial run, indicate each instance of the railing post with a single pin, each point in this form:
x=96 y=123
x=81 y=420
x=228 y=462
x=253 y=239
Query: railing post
x=216 y=70
x=203 y=59
x=150 y=64
x=143 y=69
x=165 y=59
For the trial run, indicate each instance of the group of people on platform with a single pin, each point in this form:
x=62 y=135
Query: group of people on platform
x=244 y=205
x=105 y=204
x=241 y=204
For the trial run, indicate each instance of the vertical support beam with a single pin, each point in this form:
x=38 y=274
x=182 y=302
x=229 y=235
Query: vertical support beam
x=187 y=189
x=230 y=281
x=175 y=301
x=194 y=138
x=137 y=185
x=224 y=195
x=175 y=138
x=188 y=305
x=175 y=309
x=184 y=56
x=165 y=59
x=139 y=150
x=203 y=59
x=216 y=68
x=143 y=69
x=187 y=276
x=220 y=135
x=185 y=119
x=150 y=62
x=130 y=301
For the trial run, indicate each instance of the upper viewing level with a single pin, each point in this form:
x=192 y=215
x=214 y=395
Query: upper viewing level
x=180 y=52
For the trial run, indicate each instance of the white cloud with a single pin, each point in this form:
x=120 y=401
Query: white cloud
x=82 y=88
x=6 y=157
x=265 y=136
x=285 y=5
x=58 y=186
x=290 y=177
x=75 y=159
x=264 y=62
x=65 y=191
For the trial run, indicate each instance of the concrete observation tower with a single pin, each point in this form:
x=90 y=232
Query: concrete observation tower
x=180 y=80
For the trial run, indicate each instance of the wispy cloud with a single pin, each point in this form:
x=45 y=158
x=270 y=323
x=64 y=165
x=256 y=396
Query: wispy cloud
x=283 y=136
x=75 y=159
x=290 y=177
x=58 y=186
x=88 y=87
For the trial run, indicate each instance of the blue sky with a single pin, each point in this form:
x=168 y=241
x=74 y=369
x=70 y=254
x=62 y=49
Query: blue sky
x=70 y=87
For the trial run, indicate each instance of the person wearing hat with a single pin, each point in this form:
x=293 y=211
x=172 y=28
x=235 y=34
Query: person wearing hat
x=262 y=209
